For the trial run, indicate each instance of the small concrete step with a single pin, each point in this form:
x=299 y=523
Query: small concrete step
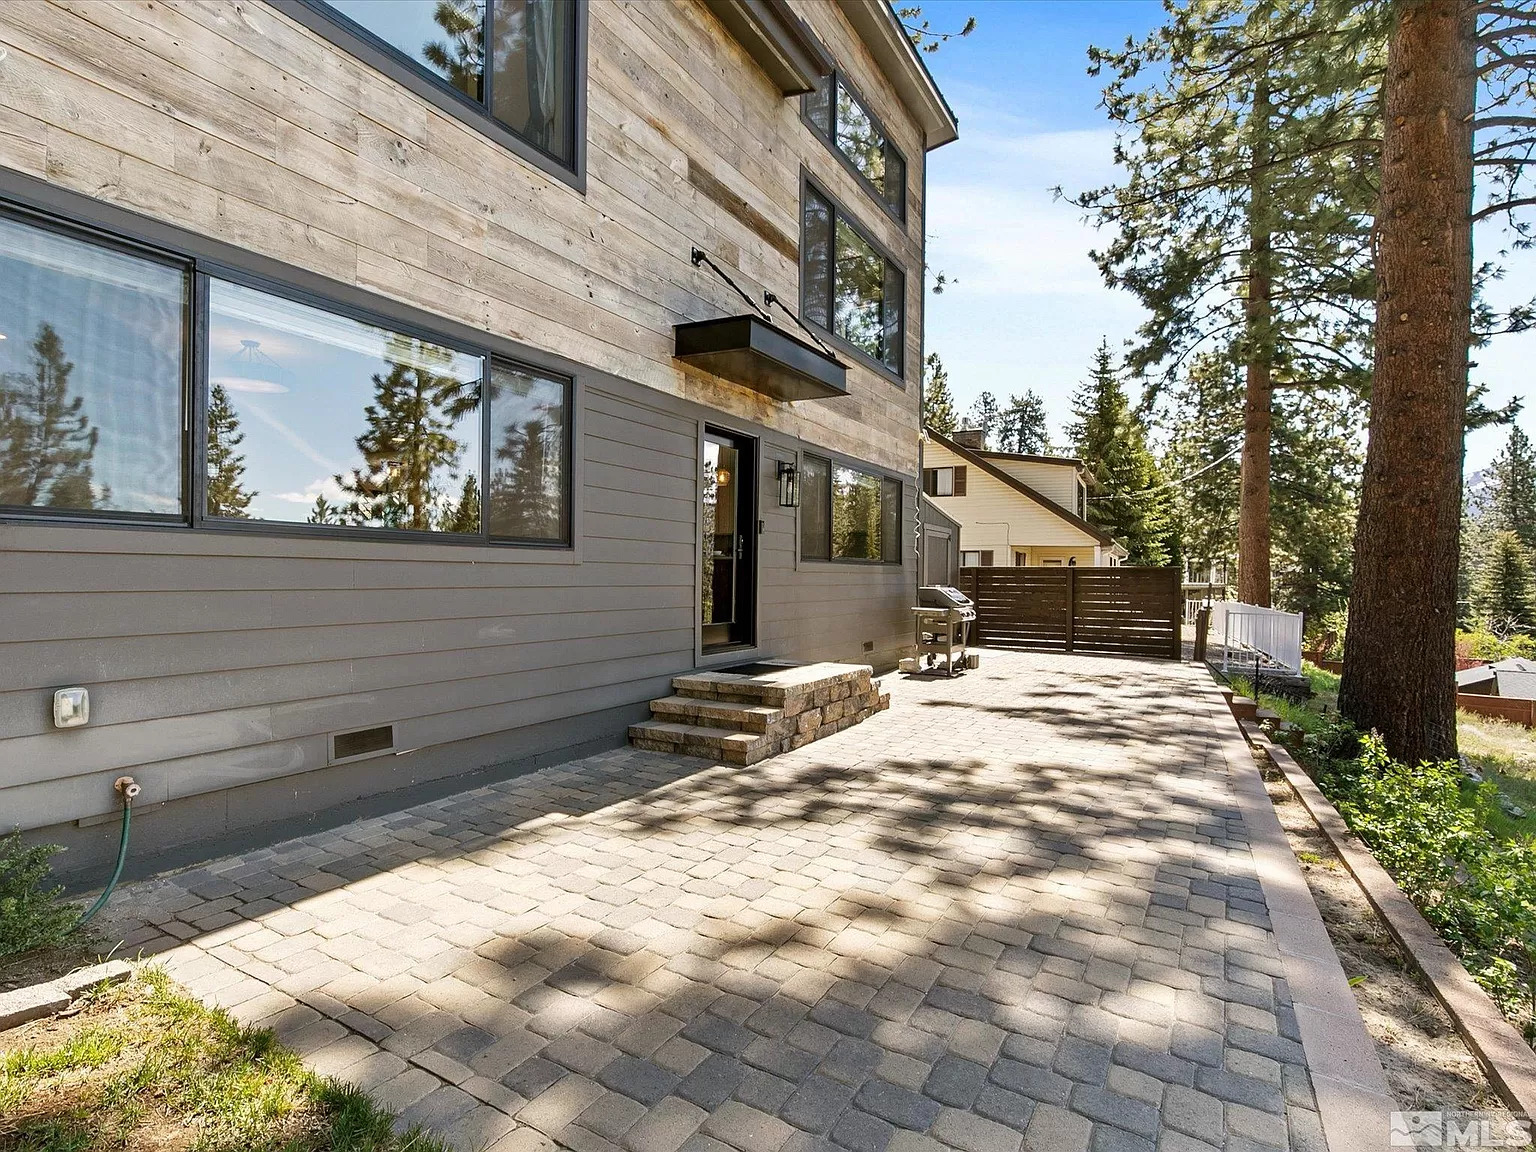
x=717 y=713
x=724 y=744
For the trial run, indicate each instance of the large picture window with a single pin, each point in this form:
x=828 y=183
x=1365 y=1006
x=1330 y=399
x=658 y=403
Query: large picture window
x=841 y=119
x=516 y=59
x=315 y=418
x=307 y=417
x=848 y=514
x=91 y=375
x=319 y=418
x=848 y=285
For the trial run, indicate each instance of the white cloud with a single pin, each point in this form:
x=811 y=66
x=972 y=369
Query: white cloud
x=325 y=486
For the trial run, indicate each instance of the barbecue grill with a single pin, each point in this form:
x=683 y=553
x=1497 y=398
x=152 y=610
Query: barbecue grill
x=943 y=617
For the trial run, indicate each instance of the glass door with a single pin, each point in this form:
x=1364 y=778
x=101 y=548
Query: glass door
x=729 y=539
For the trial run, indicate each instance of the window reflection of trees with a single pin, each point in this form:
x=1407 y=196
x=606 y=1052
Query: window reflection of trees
x=527 y=456
x=460 y=58
x=47 y=442
x=860 y=287
x=408 y=443
x=856 y=518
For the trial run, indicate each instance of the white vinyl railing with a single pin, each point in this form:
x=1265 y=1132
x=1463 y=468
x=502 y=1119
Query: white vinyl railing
x=1249 y=628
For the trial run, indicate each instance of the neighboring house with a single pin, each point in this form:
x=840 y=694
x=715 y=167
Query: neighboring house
x=1014 y=509
x=379 y=408
x=1514 y=679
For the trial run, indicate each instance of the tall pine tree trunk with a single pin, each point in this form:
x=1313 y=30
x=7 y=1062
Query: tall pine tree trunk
x=1399 y=651
x=1259 y=349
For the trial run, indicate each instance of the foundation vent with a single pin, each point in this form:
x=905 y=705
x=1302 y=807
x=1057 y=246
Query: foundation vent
x=366 y=742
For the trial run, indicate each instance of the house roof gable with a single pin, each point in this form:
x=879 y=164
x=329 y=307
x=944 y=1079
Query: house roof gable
x=979 y=460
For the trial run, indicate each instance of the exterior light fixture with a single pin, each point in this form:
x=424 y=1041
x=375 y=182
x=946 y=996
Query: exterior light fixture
x=789 y=485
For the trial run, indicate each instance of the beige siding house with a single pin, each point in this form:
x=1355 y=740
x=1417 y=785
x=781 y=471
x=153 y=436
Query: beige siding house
x=1013 y=509
x=377 y=408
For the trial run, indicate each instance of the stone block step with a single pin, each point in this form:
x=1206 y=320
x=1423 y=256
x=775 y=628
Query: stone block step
x=724 y=744
x=717 y=713
x=795 y=688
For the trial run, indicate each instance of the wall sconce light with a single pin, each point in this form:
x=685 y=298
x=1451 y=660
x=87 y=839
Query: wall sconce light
x=789 y=485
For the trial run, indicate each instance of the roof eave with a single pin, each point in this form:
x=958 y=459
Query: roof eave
x=880 y=29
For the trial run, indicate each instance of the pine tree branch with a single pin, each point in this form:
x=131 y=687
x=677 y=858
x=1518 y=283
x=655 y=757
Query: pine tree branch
x=1503 y=206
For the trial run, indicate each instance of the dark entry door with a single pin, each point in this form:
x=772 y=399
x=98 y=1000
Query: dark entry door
x=727 y=583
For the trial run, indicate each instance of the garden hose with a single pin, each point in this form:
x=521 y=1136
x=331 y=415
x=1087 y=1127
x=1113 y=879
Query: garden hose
x=129 y=788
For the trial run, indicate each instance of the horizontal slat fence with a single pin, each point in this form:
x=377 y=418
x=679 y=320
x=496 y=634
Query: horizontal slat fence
x=1112 y=611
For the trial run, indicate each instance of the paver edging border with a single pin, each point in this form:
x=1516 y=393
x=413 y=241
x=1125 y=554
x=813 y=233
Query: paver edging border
x=22 y=1005
x=1506 y=1059
x=1354 y=1102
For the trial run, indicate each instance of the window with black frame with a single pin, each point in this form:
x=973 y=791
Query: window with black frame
x=841 y=119
x=312 y=415
x=848 y=514
x=517 y=59
x=92 y=374
x=319 y=418
x=848 y=285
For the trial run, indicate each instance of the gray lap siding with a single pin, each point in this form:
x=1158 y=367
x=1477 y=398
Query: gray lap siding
x=224 y=661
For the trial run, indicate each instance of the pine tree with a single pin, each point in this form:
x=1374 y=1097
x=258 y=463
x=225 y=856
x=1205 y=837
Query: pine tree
x=46 y=440
x=324 y=512
x=1022 y=425
x=1126 y=495
x=1512 y=488
x=1503 y=593
x=407 y=441
x=985 y=413
x=1204 y=437
x=1457 y=101
x=938 y=403
x=465 y=515
x=1247 y=135
x=227 y=495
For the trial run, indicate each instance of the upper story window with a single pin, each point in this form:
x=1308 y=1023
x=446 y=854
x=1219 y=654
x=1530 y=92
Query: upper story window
x=841 y=119
x=515 y=61
x=849 y=285
x=308 y=414
x=944 y=481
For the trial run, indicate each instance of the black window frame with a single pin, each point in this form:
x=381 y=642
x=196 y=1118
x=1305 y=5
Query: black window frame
x=879 y=475
x=834 y=79
x=193 y=395
x=379 y=54
x=809 y=186
x=90 y=235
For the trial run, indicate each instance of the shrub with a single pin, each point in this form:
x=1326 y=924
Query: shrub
x=1486 y=644
x=31 y=915
x=1432 y=835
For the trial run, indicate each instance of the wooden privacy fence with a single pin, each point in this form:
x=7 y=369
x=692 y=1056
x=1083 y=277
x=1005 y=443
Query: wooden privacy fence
x=1113 y=611
x=1504 y=707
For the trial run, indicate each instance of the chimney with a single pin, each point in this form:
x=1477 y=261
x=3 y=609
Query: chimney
x=973 y=438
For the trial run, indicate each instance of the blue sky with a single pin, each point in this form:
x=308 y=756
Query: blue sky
x=1027 y=307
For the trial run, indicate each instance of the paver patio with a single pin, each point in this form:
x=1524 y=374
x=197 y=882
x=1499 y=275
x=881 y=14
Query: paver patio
x=1017 y=911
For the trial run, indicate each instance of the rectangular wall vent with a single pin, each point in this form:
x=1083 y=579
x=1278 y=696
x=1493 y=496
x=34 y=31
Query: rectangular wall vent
x=349 y=745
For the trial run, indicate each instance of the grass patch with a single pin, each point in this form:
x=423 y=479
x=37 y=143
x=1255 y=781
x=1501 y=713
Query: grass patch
x=144 y=1065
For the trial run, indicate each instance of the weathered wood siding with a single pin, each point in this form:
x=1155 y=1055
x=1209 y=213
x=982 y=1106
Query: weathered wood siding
x=219 y=663
x=232 y=119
